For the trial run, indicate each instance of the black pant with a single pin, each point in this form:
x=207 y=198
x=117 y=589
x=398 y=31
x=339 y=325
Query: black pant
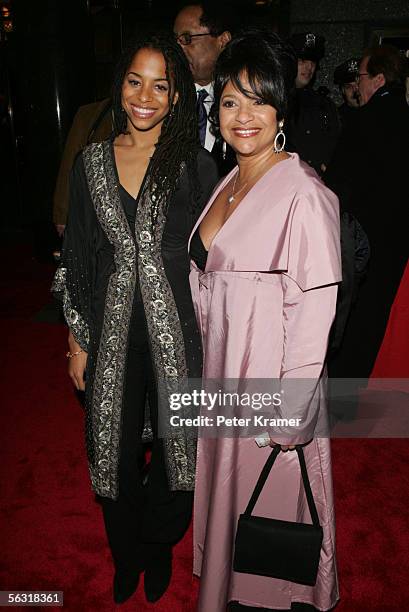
x=145 y=517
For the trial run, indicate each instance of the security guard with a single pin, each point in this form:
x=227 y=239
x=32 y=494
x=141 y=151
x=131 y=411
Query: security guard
x=345 y=76
x=313 y=127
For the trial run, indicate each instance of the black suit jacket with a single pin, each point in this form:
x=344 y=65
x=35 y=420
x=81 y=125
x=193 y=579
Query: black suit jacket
x=369 y=172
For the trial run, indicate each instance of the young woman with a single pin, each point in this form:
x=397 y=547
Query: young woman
x=266 y=255
x=124 y=283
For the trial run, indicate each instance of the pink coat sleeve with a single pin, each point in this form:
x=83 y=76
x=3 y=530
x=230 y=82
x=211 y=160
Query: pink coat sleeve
x=309 y=304
x=314 y=255
x=307 y=320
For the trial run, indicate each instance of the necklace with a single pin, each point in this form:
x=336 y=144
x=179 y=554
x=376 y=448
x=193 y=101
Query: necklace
x=231 y=198
x=233 y=195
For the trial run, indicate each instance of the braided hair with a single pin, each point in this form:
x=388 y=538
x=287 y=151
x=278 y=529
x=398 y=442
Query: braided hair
x=178 y=142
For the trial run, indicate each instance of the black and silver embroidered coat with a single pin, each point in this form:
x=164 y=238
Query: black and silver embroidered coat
x=104 y=262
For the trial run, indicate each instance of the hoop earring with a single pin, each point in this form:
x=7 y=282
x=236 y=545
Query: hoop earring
x=172 y=112
x=280 y=134
x=224 y=149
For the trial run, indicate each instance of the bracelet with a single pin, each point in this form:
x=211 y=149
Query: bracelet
x=69 y=354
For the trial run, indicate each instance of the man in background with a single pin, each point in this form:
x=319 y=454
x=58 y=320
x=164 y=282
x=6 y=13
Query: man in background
x=92 y=123
x=203 y=29
x=368 y=172
x=313 y=127
x=345 y=76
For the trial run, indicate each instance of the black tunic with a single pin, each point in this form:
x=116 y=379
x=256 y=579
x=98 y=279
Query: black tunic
x=197 y=251
x=138 y=331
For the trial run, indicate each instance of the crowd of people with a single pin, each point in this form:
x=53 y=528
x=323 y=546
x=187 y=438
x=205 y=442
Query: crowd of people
x=224 y=221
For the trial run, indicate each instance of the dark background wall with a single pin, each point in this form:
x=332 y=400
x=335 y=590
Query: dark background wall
x=55 y=56
x=348 y=26
x=51 y=73
x=59 y=54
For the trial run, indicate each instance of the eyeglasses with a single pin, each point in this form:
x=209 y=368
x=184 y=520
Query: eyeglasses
x=186 y=38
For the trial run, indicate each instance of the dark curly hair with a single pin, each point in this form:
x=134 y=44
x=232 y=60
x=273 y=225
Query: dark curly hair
x=269 y=63
x=178 y=143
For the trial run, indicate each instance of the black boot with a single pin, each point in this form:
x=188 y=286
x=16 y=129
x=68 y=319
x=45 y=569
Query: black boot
x=158 y=571
x=125 y=584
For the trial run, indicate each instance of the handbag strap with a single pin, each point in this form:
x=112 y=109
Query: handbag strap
x=264 y=475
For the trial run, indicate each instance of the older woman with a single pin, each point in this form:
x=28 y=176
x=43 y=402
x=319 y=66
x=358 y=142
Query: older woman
x=266 y=263
x=124 y=281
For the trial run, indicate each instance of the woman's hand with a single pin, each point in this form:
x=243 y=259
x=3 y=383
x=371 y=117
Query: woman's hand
x=284 y=447
x=77 y=364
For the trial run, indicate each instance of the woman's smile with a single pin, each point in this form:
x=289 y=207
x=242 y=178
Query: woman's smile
x=146 y=91
x=245 y=132
x=142 y=112
x=247 y=123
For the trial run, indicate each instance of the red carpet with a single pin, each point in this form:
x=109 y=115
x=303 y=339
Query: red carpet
x=52 y=533
x=393 y=357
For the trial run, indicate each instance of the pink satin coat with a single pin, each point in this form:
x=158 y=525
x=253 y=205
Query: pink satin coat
x=265 y=304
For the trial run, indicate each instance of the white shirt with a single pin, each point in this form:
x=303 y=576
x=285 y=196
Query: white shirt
x=209 y=141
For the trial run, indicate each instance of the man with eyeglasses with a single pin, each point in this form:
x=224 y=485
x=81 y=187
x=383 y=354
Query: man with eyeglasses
x=369 y=172
x=203 y=30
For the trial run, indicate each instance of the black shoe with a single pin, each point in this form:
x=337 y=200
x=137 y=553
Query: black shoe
x=125 y=584
x=158 y=574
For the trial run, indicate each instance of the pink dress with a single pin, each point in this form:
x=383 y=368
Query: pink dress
x=265 y=304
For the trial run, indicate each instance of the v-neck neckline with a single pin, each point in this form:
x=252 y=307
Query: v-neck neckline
x=126 y=192
x=221 y=187
x=119 y=184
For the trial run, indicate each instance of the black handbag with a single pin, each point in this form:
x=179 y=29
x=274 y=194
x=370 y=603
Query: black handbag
x=279 y=549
